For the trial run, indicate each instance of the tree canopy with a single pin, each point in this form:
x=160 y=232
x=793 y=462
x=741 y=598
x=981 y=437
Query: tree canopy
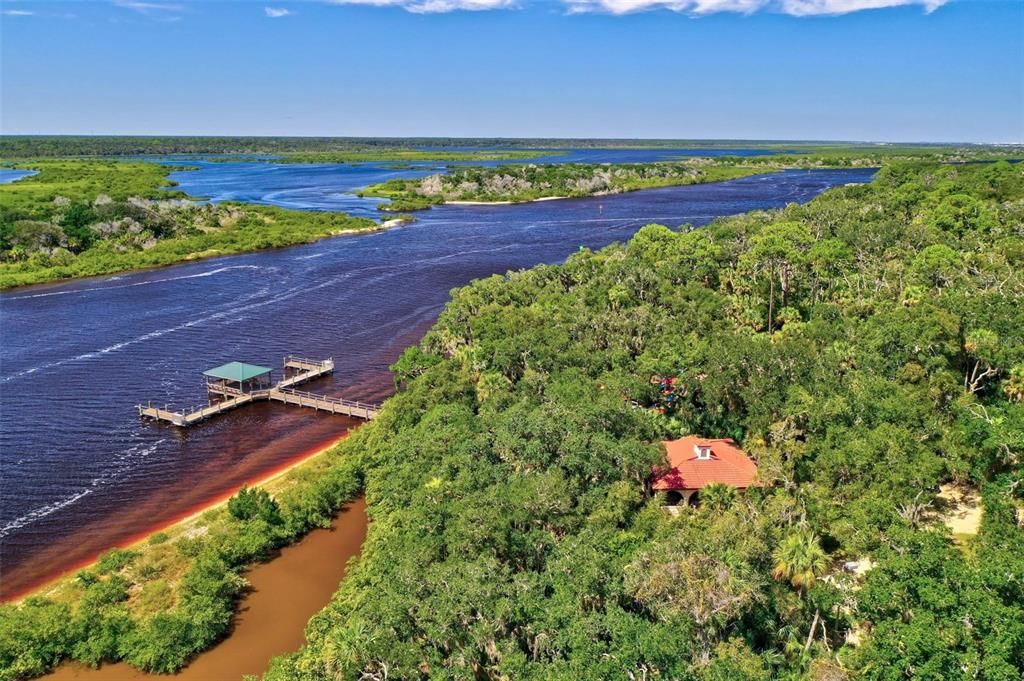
x=865 y=348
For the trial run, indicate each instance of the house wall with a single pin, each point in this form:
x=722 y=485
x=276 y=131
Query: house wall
x=687 y=497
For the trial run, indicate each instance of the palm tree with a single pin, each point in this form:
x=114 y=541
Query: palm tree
x=717 y=496
x=800 y=560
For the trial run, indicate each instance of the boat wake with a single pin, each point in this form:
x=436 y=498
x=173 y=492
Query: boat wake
x=68 y=292
x=123 y=462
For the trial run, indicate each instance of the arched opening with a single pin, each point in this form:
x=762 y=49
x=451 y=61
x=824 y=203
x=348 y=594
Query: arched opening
x=694 y=499
x=673 y=498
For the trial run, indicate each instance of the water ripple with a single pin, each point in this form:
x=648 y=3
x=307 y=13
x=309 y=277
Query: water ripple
x=78 y=356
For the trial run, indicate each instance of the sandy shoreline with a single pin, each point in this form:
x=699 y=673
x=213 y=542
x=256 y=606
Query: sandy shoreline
x=182 y=522
x=504 y=203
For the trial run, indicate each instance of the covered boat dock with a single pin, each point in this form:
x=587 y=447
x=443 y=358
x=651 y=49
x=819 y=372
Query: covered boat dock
x=235 y=384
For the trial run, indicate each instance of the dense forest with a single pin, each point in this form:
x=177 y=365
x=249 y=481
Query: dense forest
x=83 y=218
x=529 y=182
x=282 y=149
x=866 y=348
x=33 y=146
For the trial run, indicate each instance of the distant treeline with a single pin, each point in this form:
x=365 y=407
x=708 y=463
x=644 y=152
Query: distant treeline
x=31 y=146
x=36 y=146
x=24 y=146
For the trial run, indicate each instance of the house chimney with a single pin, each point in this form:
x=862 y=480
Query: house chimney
x=703 y=452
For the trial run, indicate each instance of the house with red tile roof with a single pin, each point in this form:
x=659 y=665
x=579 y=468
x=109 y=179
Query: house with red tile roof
x=696 y=462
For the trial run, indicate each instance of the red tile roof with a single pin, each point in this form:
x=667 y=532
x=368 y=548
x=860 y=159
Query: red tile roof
x=728 y=465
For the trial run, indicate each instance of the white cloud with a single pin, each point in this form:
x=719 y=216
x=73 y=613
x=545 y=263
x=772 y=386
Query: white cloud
x=148 y=7
x=435 y=6
x=18 y=13
x=277 y=12
x=800 y=8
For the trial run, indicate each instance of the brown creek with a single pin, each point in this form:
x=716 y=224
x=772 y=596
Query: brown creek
x=271 y=620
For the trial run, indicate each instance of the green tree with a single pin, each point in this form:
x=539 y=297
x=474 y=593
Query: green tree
x=936 y=266
x=76 y=221
x=255 y=502
x=707 y=592
x=776 y=256
x=800 y=560
x=961 y=214
x=33 y=637
x=717 y=497
x=934 y=614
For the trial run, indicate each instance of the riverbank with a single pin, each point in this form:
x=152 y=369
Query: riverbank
x=503 y=203
x=164 y=598
x=273 y=481
x=77 y=219
x=425 y=263
x=283 y=594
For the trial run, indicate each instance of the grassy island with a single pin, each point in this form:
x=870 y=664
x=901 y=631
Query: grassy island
x=78 y=218
x=532 y=182
x=867 y=349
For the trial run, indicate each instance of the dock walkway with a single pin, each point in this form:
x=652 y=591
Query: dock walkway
x=297 y=371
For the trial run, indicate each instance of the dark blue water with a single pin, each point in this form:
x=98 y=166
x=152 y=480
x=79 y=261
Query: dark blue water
x=332 y=186
x=81 y=472
x=322 y=186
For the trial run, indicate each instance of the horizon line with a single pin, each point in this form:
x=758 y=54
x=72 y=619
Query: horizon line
x=519 y=138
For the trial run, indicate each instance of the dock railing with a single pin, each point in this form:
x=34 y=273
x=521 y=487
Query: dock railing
x=307 y=370
x=294 y=361
x=340 y=401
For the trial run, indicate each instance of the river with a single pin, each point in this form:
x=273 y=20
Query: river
x=333 y=186
x=82 y=473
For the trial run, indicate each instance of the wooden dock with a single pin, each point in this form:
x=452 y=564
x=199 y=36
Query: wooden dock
x=334 y=405
x=297 y=371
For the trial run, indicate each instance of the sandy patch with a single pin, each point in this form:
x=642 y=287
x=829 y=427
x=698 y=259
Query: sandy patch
x=503 y=203
x=962 y=509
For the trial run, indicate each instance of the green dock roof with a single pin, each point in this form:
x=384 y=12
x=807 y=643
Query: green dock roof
x=237 y=371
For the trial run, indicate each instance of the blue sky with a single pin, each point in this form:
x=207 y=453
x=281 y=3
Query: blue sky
x=919 y=70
